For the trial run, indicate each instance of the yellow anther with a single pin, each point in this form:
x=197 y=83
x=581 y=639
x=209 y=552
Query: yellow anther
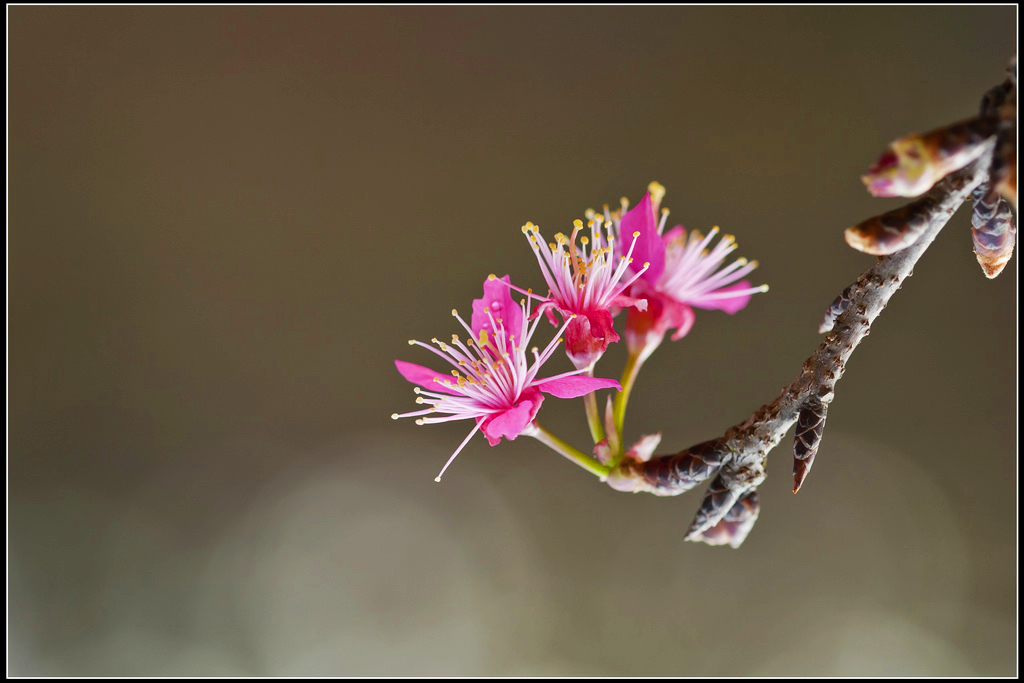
x=420 y=421
x=755 y=264
x=764 y=288
x=577 y=223
x=742 y=261
x=657 y=191
x=454 y=313
x=420 y=400
x=492 y=276
x=412 y=342
x=455 y=339
x=394 y=416
x=635 y=234
x=647 y=264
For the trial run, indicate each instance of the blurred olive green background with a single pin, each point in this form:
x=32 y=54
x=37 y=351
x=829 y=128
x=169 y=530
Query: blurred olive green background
x=225 y=223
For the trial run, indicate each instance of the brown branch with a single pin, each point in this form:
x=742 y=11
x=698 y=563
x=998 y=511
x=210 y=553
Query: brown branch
x=736 y=460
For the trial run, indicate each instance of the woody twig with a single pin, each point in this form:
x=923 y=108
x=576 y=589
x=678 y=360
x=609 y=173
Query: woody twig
x=975 y=159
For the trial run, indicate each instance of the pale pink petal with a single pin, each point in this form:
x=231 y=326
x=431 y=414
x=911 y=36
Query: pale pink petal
x=683 y=318
x=424 y=377
x=623 y=301
x=511 y=422
x=603 y=452
x=728 y=304
x=643 y=449
x=575 y=386
x=498 y=299
x=649 y=248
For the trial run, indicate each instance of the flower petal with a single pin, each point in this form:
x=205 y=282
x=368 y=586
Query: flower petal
x=511 y=422
x=643 y=449
x=424 y=377
x=575 y=386
x=728 y=304
x=623 y=301
x=682 y=319
x=587 y=337
x=498 y=299
x=647 y=328
x=649 y=248
x=677 y=233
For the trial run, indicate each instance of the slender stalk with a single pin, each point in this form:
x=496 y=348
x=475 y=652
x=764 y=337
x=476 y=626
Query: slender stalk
x=561 y=447
x=593 y=415
x=634 y=362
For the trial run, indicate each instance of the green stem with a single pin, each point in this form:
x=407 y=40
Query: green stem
x=593 y=415
x=577 y=456
x=629 y=374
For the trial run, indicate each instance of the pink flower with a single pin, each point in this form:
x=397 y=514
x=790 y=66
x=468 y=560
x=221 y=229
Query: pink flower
x=685 y=273
x=492 y=381
x=586 y=284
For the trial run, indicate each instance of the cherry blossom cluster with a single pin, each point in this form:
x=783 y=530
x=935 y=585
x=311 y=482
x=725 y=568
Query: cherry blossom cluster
x=614 y=264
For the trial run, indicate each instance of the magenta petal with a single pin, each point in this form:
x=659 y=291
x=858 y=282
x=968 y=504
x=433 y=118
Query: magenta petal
x=498 y=298
x=729 y=305
x=587 y=336
x=511 y=422
x=424 y=377
x=649 y=248
x=575 y=386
